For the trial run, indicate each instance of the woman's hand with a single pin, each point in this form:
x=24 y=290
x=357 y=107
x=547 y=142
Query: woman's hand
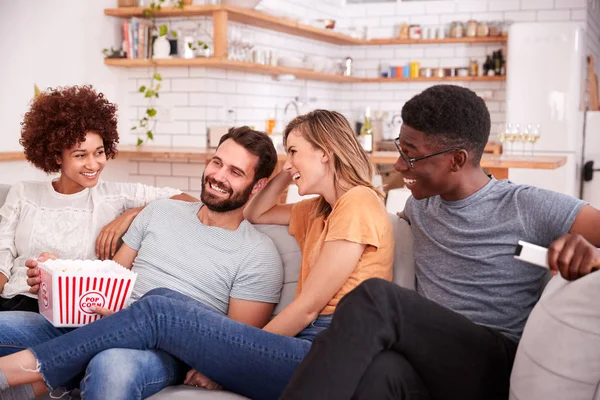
x=195 y=378
x=33 y=273
x=106 y=243
x=263 y=207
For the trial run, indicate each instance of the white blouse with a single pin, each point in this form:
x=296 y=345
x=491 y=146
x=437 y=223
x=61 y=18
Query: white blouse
x=36 y=218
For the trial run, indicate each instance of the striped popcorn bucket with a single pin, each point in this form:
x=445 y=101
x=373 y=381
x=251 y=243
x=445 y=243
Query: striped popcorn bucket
x=67 y=295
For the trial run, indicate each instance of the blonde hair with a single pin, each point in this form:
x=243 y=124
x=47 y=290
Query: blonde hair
x=330 y=132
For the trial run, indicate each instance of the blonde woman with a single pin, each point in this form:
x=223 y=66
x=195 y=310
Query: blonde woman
x=345 y=236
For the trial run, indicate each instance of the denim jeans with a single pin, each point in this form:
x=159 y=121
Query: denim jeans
x=241 y=358
x=387 y=342
x=124 y=374
x=139 y=374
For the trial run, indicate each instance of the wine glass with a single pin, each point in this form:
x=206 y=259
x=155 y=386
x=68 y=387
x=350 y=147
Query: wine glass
x=534 y=136
x=503 y=133
x=235 y=52
x=511 y=134
x=524 y=137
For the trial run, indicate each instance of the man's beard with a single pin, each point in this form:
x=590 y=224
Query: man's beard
x=217 y=204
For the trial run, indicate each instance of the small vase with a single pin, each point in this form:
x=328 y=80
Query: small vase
x=161 y=48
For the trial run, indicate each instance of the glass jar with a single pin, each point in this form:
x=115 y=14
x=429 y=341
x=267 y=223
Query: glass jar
x=414 y=32
x=483 y=29
x=505 y=27
x=460 y=30
x=494 y=28
x=403 y=31
x=452 y=31
x=471 y=30
x=473 y=68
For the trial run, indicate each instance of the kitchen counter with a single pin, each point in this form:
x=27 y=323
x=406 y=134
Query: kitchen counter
x=497 y=165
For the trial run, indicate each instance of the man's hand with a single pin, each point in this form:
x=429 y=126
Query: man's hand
x=106 y=243
x=195 y=378
x=33 y=273
x=103 y=312
x=3 y=280
x=573 y=257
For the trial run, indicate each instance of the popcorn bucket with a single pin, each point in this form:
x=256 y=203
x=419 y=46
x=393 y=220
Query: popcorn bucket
x=69 y=288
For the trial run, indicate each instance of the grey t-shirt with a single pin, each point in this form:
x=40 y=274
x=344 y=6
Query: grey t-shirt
x=207 y=263
x=464 y=250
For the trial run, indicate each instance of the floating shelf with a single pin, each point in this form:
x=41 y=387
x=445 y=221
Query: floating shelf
x=286 y=25
x=243 y=16
x=299 y=73
x=438 y=79
x=219 y=63
x=467 y=40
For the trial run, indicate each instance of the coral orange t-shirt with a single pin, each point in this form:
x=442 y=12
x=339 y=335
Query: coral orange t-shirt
x=358 y=216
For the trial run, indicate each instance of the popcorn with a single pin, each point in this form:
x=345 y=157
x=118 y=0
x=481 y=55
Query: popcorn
x=69 y=288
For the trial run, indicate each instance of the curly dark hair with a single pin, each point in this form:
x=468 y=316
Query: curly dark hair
x=60 y=118
x=451 y=115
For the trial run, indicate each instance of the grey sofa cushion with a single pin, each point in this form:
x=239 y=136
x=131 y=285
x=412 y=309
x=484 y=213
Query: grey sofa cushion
x=193 y=393
x=290 y=256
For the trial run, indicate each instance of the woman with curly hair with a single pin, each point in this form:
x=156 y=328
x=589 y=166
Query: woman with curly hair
x=72 y=131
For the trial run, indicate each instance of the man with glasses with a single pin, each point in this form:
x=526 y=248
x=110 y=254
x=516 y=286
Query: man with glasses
x=456 y=336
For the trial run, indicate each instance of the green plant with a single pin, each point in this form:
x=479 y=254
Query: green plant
x=199 y=44
x=156 y=5
x=146 y=125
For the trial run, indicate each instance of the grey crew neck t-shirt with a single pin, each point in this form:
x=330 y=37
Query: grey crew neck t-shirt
x=464 y=250
x=210 y=264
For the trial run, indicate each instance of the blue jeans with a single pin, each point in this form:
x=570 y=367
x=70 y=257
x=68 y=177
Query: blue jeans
x=139 y=374
x=124 y=374
x=241 y=358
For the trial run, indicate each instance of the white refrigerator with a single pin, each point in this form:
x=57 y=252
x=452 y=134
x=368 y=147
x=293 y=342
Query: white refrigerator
x=545 y=85
x=591 y=187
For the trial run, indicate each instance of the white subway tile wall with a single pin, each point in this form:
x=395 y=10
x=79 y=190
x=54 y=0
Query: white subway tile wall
x=191 y=99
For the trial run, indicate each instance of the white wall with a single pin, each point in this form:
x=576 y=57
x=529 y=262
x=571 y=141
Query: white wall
x=50 y=43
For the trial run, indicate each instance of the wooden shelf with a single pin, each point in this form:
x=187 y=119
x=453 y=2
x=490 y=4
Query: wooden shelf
x=220 y=63
x=299 y=73
x=484 y=39
x=243 y=16
x=379 y=157
x=187 y=11
x=12 y=156
x=286 y=25
x=438 y=79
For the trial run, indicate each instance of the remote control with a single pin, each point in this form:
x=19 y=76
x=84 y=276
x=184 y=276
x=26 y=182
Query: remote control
x=532 y=253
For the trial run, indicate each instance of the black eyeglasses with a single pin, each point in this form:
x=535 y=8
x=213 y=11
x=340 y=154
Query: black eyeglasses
x=411 y=161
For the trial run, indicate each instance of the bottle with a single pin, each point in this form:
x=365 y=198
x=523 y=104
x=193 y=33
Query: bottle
x=473 y=68
x=502 y=62
x=497 y=58
x=366 y=132
x=487 y=65
x=348 y=66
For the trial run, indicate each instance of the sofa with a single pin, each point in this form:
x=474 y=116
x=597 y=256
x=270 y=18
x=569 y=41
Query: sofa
x=558 y=356
x=291 y=256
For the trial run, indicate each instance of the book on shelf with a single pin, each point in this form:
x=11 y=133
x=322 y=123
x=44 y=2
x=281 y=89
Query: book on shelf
x=137 y=39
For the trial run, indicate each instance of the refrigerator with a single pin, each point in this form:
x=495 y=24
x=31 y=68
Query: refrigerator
x=591 y=156
x=545 y=85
